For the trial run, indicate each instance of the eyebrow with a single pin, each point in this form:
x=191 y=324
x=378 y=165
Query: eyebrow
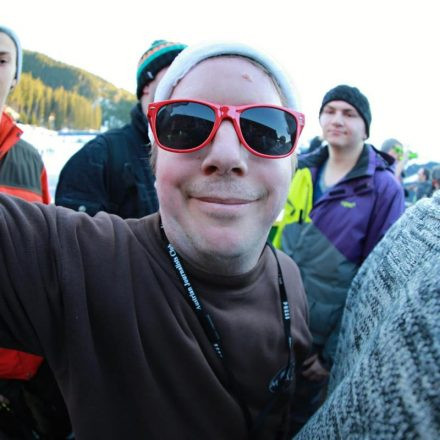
x=345 y=110
x=350 y=110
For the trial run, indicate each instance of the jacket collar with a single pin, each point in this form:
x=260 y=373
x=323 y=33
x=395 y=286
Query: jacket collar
x=9 y=134
x=140 y=122
x=369 y=161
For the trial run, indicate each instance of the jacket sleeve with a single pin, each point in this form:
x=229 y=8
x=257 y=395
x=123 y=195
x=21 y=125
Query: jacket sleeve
x=389 y=206
x=45 y=194
x=329 y=350
x=83 y=183
x=30 y=304
x=298 y=206
x=16 y=364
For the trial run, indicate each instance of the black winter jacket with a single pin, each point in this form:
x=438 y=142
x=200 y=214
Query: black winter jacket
x=111 y=173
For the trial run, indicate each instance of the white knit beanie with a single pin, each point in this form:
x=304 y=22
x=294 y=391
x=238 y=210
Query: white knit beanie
x=193 y=55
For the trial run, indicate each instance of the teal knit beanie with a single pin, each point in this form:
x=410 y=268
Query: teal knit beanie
x=161 y=54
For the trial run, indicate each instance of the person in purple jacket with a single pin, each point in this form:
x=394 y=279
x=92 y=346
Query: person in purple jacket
x=342 y=200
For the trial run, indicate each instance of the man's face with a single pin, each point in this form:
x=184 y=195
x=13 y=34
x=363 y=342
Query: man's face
x=150 y=89
x=7 y=66
x=219 y=202
x=393 y=153
x=342 y=126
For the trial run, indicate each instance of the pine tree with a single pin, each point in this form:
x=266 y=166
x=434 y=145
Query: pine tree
x=56 y=96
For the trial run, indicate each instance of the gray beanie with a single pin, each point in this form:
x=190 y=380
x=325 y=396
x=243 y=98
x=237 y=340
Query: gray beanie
x=11 y=34
x=389 y=144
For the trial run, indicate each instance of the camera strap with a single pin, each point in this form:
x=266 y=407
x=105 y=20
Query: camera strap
x=284 y=377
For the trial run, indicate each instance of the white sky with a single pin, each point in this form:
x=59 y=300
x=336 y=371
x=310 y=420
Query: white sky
x=385 y=48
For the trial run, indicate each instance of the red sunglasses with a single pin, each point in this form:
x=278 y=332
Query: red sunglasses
x=186 y=125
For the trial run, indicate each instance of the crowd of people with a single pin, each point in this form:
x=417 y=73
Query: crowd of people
x=164 y=296
x=427 y=181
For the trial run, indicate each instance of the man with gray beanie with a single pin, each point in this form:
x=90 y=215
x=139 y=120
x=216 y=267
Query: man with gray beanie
x=401 y=155
x=22 y=172
x=112 y=172
x=342 y=200
x=25 y=409
x=184 y=324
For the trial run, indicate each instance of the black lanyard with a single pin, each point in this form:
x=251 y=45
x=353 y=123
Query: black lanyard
x=284 y=377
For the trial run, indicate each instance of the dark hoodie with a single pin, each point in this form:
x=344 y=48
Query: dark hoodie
x=111 y=173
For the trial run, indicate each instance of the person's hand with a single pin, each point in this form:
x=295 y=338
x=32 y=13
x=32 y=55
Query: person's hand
x=4 y=404
x=314 y=370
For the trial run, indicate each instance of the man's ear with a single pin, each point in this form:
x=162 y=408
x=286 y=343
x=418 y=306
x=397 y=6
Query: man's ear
x=146 y=90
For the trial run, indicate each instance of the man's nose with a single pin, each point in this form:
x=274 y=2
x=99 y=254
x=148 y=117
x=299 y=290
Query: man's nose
x=225 y=154
x=337 y=118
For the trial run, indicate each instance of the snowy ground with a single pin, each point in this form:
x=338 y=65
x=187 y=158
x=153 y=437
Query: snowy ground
x=54 y=148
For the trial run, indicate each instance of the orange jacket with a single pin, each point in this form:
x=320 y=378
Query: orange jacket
x=22 y=174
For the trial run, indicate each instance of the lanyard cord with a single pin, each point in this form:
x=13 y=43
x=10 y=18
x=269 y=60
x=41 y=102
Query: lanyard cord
x=287 y=374
x=205 y=319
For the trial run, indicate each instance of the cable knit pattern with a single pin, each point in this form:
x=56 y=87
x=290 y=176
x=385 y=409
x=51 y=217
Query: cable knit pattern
x=385 y=383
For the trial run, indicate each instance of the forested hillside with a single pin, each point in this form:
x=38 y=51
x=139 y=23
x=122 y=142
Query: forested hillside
x=55 y=95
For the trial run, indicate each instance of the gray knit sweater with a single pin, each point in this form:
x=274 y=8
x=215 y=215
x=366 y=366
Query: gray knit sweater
x=385 y=383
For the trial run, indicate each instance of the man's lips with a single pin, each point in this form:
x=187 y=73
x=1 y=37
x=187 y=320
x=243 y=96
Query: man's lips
x=223 y=200
x=335 y=132
x=223 y=195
